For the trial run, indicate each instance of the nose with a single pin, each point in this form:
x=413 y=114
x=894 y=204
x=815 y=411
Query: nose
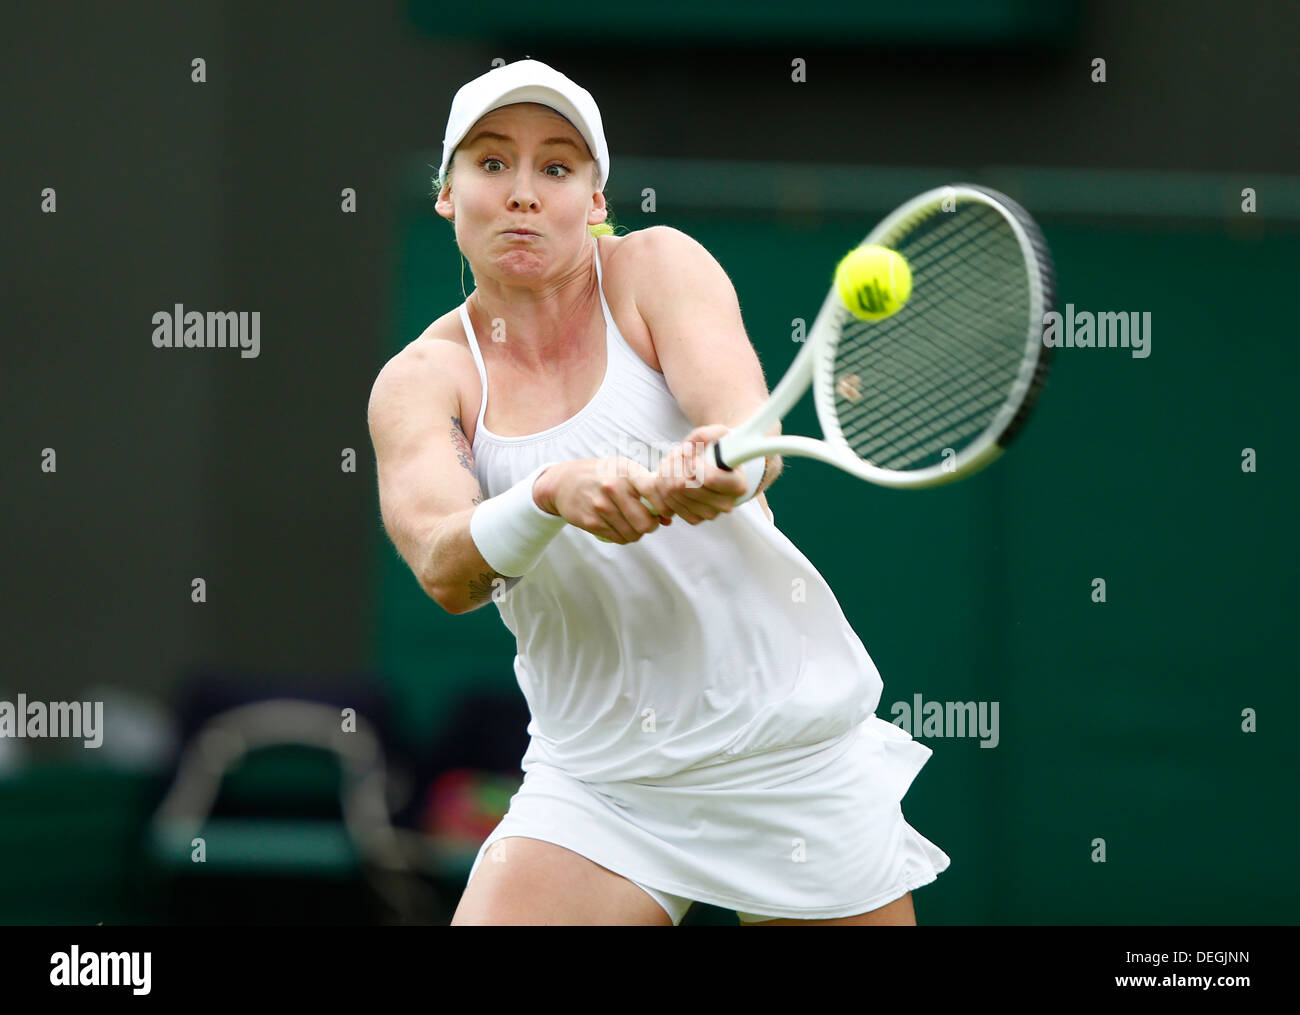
x=522 y=194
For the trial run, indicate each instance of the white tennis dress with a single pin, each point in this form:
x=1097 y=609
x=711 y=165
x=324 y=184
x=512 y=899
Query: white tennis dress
x=702 y=713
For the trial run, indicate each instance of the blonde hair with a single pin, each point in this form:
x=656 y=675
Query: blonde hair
x=606 y=228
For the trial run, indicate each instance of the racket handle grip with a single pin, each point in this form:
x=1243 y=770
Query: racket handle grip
x=714 y=450
x=754 y=469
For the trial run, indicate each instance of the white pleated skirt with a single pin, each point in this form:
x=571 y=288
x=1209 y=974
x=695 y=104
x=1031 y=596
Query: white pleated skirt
x=809 y=832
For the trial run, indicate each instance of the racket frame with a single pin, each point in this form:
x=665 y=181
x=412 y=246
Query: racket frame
x=814 y=367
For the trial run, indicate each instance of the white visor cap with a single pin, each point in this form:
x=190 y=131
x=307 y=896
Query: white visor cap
x=525 y=81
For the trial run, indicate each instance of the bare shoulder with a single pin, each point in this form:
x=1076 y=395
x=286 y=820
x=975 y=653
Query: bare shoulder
x=653 y=248
x=658 y=261
x=429 y=371
x=643 y=268
x=659 y=238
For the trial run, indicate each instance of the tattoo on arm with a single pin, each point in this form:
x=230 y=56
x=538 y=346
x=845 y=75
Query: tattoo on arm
x=482 y=588
x=465 y=453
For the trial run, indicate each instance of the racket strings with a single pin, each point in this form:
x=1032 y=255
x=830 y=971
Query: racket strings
x=925 y=372
x=933 y=376
x=904 y=420
x=900 y=430
x=1000 y=259
x=898 y=437
x=982 y=301
x=931 y=299
x=917 y=421
x=981 y=357
x=910 y=371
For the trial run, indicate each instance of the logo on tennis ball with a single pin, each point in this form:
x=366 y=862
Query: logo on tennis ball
x=873 y=282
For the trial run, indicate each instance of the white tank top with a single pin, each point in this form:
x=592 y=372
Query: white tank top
x=693 y=645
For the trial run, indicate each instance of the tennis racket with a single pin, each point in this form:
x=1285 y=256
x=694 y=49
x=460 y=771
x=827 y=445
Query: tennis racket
x=937 y=391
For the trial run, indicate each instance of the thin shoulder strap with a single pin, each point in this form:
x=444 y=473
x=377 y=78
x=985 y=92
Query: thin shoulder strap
x=610 y=326
x=478 y=362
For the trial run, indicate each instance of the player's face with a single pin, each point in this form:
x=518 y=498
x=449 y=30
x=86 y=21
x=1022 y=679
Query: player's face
x=522 y=167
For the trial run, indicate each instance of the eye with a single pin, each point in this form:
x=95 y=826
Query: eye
x=490 y=158
x=558 y=165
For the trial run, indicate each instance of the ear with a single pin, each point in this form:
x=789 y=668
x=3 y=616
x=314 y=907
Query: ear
x=443 y=205
x=599 y=212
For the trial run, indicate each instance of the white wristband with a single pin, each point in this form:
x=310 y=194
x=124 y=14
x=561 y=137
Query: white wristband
x=510 y=531
x=754 y=470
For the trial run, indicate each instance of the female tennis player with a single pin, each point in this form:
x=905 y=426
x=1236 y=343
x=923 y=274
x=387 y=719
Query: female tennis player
x=702 y=714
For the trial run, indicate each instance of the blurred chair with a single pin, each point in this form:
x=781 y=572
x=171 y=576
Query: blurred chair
x=365 y=837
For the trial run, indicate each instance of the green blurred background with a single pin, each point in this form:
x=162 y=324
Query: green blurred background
x=1119 y=720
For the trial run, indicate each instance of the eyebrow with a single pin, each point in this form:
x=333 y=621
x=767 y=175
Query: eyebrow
x=488 y=135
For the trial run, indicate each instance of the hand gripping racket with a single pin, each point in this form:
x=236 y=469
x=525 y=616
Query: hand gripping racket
x=938 y=390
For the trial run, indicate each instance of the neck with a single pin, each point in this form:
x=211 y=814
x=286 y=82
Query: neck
x=535 y=328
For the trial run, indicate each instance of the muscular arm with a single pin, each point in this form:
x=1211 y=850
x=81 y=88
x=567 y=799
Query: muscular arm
x=458 y=550
x=427 y=486
x=691 y=309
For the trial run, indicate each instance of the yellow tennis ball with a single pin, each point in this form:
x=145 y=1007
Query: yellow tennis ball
x=873 y=282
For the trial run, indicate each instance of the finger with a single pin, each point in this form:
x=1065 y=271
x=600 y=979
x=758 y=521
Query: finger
x=684 y=468
x=708 y=433
x=683 y=493
x=639 y=516
x=684 y=510
x=715 y=488
x=619 y=517
x=662 y=514
x=711 y=501
x=674 y=498
x=727 y=485
x=702 y=443
x=628 y=513
x=646 y=485
x=619 y=529
x=698 y=486
x=614 y=532
x=702 y=508
x=665 y=486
